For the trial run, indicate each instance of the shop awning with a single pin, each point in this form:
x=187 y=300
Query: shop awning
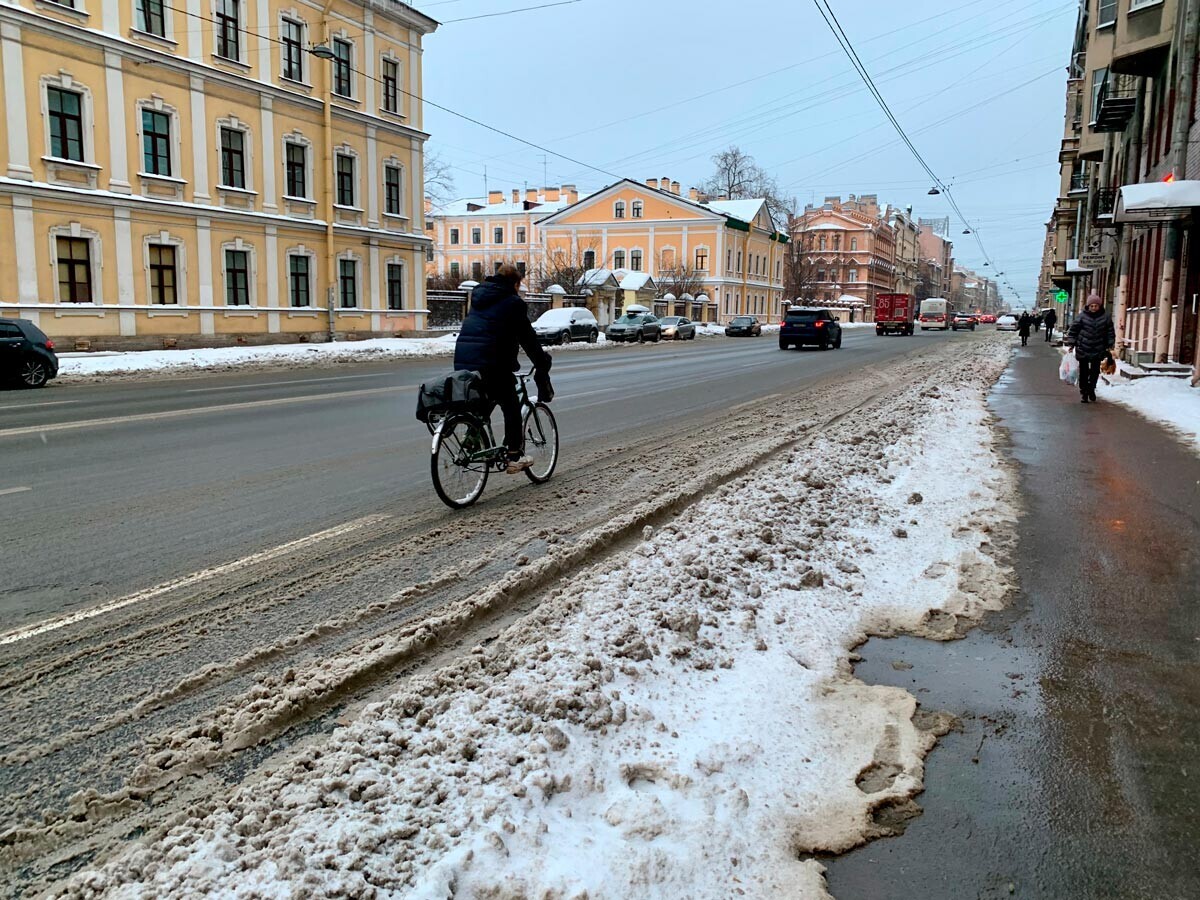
x=1156 y=201
x=1075 y=267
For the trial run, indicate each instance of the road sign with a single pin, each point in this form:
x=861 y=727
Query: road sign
x=1062 y=297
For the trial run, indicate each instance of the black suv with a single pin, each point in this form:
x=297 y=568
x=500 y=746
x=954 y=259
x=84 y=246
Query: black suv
x=810 y=325
x=26 y=354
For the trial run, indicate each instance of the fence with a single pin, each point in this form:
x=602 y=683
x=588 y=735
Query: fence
x=447 y=309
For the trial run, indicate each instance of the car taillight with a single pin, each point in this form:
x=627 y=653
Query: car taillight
x=49 y=345
x=819 y=324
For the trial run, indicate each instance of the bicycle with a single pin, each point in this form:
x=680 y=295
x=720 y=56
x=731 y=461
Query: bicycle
x=464 y=450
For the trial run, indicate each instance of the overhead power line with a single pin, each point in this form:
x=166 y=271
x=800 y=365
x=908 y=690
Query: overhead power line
x=510 y=12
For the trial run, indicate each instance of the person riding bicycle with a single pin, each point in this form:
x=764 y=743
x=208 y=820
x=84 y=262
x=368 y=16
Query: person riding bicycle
x=494 y=329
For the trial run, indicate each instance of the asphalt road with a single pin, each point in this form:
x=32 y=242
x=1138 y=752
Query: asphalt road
x=109 y=489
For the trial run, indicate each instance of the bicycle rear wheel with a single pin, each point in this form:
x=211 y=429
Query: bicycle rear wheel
x=541 y=442
x=459 y=475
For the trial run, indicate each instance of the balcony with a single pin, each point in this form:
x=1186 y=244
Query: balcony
x=1104 y=202
x=1069 y=149
x=1079 y=183
x=1143 y=37
x=1118 y=96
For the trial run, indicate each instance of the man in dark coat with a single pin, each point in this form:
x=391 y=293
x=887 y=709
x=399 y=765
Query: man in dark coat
x=1050 y=318
x=495 y=328
x=1024 y=326
x=1093 y=336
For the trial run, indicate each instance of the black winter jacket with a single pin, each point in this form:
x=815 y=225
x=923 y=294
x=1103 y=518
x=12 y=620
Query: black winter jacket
x=496 y=326
x=1024 y=325
x=1092 y=335
x=1049 y=318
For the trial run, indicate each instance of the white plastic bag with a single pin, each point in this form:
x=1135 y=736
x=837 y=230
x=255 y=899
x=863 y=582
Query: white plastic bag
x=1069 y=370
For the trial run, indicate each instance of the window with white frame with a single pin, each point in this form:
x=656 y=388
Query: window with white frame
x=618 y=259
x=853 y=243
x=151 y=17
x=1135 y=5
x=348 y=283
x=299 y=280
x=233 y=157
x=701 y=259
x=390 y=70
x=157 y=142
x=1106 y=13
x=65 y=110
x=395 y=285
x=344 y=170
x=163 y=275
x=393 y=190
x=619 y=209
x=455 y=270
x=1097 y=83
x=852 y=275
x=728 y=260
x=237 y=276
x=477 y=271
x=635 y=260
x=343 y=53
x=497 y=235
x=73 y=256
x=291 y=33
x=476 y=235
x=295 y=161
x=521 y=239
x=739 y=260
x=454 y=236
x=636 y=209
x=229 y=29
x=589 y=260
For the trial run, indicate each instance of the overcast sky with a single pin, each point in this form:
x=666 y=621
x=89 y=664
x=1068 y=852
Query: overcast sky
x=653 y=88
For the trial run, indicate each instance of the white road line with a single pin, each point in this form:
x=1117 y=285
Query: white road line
x=28 y=631
x=16 y=490
x=299 y=381
x=176 y=413
x=38 y=405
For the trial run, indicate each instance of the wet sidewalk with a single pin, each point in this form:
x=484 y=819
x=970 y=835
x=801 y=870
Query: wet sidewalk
x=1077 y=770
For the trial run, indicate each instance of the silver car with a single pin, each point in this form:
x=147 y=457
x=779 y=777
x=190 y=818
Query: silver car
x=678 y=328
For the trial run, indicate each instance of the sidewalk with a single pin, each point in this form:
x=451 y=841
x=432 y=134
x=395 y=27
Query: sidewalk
x=1075 y=772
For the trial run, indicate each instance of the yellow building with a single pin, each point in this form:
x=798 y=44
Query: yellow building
x=726 y=253
x=234 y=171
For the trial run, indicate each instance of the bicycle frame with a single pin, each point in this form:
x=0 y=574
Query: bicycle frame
x=495 y=455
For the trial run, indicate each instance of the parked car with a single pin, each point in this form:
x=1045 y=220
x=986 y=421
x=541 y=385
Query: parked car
x=26 y=354
x=635 y=326
x=987 y=319
x=1006 y=323
x=678 y=328
x=743 y=326
x=962 y=320
x=558 y=326
x=809 y=325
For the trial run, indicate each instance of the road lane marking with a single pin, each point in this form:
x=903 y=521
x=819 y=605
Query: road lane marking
x=177 y=413
x=16 y=490
x=38 y=405
x=299 y=381
x=28 y=631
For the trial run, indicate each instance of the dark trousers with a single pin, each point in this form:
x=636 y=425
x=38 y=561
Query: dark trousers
x=1089 y=374
x=1024 y=340
x=1049 y=333
x=501 y=388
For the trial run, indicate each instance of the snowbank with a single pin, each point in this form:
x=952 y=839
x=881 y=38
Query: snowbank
x=1170 y=402
x=680 y=720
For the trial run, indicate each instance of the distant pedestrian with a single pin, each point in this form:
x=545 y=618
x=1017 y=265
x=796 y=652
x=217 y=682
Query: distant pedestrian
x=1037 y=321
x=1024 y=325
x=1093 y=336
x=1050 y=317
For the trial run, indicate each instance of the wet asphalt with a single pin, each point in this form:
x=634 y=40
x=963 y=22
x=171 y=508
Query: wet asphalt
x=1076 y=772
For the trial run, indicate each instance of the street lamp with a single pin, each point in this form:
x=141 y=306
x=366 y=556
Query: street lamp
x=321 y=51
x=933 y=192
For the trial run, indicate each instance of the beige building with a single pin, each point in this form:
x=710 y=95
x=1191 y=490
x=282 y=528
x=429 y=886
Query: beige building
x=908 y=248
x=188 y=174
x=936 y=268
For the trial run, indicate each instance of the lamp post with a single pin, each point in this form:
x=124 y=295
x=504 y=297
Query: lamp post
x=325 y=52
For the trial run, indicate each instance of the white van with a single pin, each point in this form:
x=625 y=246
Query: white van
x=935 y=313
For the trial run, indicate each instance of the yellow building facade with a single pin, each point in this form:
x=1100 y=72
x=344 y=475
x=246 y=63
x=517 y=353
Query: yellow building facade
x=729 y=250
x=195 y=174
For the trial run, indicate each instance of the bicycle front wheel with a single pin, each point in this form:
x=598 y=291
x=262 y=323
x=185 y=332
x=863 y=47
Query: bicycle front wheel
x=541 y=442
x=458 y=462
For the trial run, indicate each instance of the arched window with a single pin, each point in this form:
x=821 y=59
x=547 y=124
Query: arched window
x=853 y=243
x=589 y=259
x=619 y=209
x=635 y=260
x=637 y=209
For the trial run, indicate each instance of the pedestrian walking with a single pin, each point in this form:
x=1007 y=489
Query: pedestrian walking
x=1051 y=319
x=1024 y=325
x=1093 y=336
x=1037 y=322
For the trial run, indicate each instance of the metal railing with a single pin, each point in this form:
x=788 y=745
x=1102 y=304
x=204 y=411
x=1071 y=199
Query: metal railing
x=1079 y=181
x=1104 y=203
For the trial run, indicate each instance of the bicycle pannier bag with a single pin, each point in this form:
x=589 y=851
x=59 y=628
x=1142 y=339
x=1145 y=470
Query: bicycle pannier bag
x=460 y=391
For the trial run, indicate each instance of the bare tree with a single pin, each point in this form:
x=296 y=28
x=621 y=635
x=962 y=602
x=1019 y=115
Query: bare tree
x=799 y=268
x=439 y=181
x=566 y=267
x=444 y=282
x=679 y=280
x=739 y=177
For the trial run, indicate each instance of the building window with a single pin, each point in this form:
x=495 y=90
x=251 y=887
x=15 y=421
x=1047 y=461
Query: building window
x=299 y=285
x=455 y=270
x=589 y=259
x=820 y=274
x=476 y=235
x=237 y=278
x=521 y=268
x=341 y=67
x=392 y=194
x=702 y=259
x=852 y=275
x=66 y=123
x=233 y=158
x=497 y=235
x=520 y=235
x=837 y=242
x=293 y=50
x=821 y=241
x=162 y=275
x=345 y=180
x=637 y=209
x=348 y=282
x=391 y=86
x=618 y=259
x=635 y=260
x=228 y=29
x=853 y=243
x=1106 y=12
x=477 y=271
x=297 y=169
x=150 y=17
x=395 y=286
x=454 y=236
x=1097 y=83
x=728 y=260
x=739 y=260
x=619 y=209
x=74 y=270
x=156 y=142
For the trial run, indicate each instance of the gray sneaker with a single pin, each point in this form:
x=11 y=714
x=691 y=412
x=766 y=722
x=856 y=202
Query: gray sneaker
x=518 y=465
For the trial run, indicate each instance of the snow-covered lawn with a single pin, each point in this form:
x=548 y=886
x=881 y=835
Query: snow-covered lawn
x=1168 y=401
x=680 y=720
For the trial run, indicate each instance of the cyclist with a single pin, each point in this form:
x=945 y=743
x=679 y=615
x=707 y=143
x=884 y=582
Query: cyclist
x=495 y=328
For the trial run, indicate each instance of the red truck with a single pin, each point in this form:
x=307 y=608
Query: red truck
x=895 y=313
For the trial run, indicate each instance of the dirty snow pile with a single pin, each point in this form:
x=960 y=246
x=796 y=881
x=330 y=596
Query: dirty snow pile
x=1168 y=401
x=680 y=720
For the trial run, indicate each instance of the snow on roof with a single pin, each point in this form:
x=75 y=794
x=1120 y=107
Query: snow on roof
x=600 y=278
x=1141 y=202
x=635 y=281
x=827 y=226
x=746 y=210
